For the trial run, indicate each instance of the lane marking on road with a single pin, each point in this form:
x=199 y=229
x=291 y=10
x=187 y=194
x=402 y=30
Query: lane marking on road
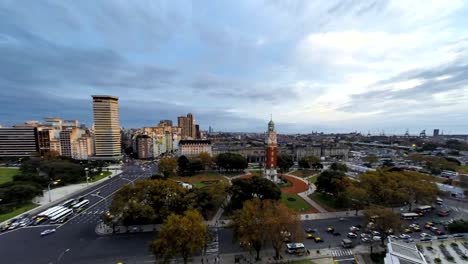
x=348 y=259
x=98 y=202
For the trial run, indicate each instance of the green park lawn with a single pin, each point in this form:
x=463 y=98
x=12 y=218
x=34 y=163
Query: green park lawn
x=325 y=201
x=313 y=179
x=302 y=173
x=101 y=175
x=17 y=211
x=6 y=174
x=298 y=205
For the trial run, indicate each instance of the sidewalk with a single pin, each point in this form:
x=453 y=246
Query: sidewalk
x=305 y=195
x=60 y=194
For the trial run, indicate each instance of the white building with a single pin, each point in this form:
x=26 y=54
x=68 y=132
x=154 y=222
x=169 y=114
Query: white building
x=194 y=147
x=399 y=252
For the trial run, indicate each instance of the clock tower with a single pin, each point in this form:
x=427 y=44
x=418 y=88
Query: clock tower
x=271 y=153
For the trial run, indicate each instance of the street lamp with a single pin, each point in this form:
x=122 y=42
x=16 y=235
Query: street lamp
x=62 y=254
x=98 y=194
x=86 y=171
x=132 y=182
x=48 y=187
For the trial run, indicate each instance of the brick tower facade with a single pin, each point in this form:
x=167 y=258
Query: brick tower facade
x=271 y=153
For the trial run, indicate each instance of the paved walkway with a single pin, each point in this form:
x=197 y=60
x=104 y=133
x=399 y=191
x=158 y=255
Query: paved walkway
x=305 y=195
x=60 y=192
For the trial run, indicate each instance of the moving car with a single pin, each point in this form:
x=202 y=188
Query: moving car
x=404 y=236
x=318 y=240
x=47 y=231
x=330 y=229
x=425 y=235
x=354 y=229
x=309 y=236
x=310 y=230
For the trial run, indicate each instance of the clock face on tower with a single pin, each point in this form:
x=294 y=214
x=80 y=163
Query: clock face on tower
x=271 y=138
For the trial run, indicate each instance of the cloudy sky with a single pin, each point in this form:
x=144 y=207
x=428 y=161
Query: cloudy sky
x=334 y=66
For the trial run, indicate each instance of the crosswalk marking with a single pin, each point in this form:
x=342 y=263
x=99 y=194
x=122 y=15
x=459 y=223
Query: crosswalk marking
x=338 y=252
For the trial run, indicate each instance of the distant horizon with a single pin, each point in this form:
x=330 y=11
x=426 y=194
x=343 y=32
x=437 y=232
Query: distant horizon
x=429 y=132
x=316 y=65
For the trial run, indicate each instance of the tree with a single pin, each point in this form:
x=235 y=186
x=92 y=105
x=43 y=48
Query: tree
x=310 y=162
x=358 y=197
x=183 y=164
x=458 y=226
x=193 y=233
x=231 y=162
x=383 y=220
x=387 y=187
x=249 y=225
x=339 y=167
x=195 y=166
x=281 y=223
x=19 y=192
x=167 y=166
x=332 y=181
x=285 y=162
x=148 y=202
x=205 y=159
x=247 y=189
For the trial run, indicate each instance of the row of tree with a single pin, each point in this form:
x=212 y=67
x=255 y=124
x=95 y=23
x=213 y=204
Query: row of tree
x=152 y=201
x=35 y=174
x=257 y=223
x=188 y=166
x=388 y=187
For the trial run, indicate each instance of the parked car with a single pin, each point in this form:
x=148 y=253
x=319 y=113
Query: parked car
x=352 y=235
x=365 y=240
x=354 y=229
x=310 y=230
x=376 y=233
x=376 y=238
x=47 y=231
x=336 y=234
x=426 y=239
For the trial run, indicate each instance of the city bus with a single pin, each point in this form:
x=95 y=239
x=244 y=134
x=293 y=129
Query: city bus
x=408 y=216
x=48 y=211
x=424 y=209
x=295 y=248
x=68 y=203
x=61 y=217
x=80 y=204
x=51 y=215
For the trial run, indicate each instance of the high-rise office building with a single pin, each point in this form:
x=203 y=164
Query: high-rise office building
x=106 y=127
x=18 y=141
x=436 y=133
x=187 y=125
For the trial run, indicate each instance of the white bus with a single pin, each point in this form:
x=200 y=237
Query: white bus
x=449 y=174
x=424 y=209
x=295 y=248
x=408 y=216
x=48 y=211
x=68 y=203
x=51 y=215
x=80 y=204
x=61 y=217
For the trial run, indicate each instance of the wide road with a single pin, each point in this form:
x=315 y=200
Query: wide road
x=25 y=245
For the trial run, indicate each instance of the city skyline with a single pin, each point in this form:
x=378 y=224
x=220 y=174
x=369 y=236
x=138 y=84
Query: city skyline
x=332 y=66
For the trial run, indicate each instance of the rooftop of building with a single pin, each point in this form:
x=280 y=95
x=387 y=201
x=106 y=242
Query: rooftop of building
x=105 y=97
x=404 y=253
x=194 y=141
